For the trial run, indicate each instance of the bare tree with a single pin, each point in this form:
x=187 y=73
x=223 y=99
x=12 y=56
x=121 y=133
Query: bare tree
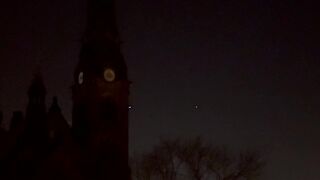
x=195 y=159
x=140 y=168
x=219 y=162
x=161 y=163
x=248 y=166
x=194 y=155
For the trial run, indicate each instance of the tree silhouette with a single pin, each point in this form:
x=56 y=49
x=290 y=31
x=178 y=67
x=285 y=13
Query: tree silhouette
x=197 y=160
x=161 y=163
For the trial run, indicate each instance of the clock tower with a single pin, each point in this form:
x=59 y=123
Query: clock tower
x=100 y=96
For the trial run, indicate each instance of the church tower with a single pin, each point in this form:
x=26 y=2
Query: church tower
x=35 y=121
x=100 y=95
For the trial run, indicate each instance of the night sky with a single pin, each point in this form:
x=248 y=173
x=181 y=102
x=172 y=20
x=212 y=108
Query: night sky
x=239 y=73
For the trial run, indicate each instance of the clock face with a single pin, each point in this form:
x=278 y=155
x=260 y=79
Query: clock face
x=109 y=75
x=80 y=78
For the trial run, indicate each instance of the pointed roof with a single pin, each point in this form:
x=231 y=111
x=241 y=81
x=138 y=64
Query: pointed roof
x=37 y=86
x=101 y=20
x=54 y=106
x=101 y=47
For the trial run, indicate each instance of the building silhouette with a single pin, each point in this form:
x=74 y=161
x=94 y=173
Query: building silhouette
x=41 y=145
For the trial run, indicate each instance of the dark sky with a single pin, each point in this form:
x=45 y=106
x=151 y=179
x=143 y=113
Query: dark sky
x=251 y=67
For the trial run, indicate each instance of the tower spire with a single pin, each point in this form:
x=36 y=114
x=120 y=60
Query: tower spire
x=101 y=46
x=101 y=21
x=36 y=109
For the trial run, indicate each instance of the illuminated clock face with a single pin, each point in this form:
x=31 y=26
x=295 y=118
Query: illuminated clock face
x=80 y=78
x=109 y=75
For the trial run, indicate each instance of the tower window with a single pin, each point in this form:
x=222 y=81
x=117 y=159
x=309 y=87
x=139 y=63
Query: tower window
x=80 y=78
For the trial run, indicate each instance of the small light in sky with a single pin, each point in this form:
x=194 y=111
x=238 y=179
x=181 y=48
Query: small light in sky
x=129 y=107
x=196 y=106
